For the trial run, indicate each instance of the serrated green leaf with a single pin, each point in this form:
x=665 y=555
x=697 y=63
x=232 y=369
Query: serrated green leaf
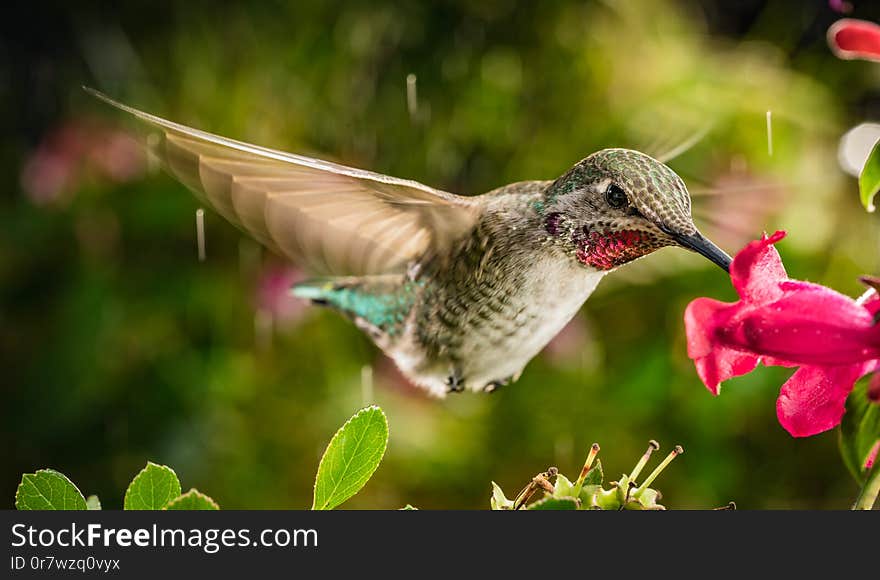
x=499 y=501
x=563 y=487
x=588 y=494
x=408 y=508
x=152 y=489
x=869 y=178
x=48 y=489
x=193 y=500
x=93 y=503
x=554 y=503
x=859 y=429
x=645 y=499
x=352 y=456
x=595 y=475
x=606 y=499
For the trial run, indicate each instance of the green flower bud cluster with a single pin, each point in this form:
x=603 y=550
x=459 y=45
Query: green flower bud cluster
x=588 y=491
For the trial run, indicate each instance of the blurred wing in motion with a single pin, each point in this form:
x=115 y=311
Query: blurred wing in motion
x=673 y=149
x=737 y=206
x=328 y=218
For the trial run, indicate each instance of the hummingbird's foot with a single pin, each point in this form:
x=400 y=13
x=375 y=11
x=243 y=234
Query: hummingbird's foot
x=454 y=383
x=495 y=385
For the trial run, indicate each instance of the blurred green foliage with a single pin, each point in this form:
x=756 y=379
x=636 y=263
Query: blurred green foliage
x=117 y=345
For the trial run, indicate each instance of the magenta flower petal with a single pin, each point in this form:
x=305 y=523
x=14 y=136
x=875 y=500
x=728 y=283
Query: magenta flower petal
x=809 y=324
x=855 y=39
x=757 y=269
x=715 y=362
x=724 y=364
x=870 y=301
x=872 y=456
x=873 y=391
x=813 y=399
x=755 y=272
x=785 y=322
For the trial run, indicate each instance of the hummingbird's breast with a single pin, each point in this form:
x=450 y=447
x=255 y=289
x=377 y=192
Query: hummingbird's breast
x=547 y=295
x=491 y=306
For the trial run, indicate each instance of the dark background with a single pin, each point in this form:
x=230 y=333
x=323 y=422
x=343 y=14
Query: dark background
x=118 y=346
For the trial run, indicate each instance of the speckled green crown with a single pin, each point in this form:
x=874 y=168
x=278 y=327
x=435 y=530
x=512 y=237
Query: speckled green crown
x=655 y=189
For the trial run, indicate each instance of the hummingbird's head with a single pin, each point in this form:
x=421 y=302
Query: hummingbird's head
x=618 y=205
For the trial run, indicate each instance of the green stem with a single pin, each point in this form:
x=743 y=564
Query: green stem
x=588 y=464
x=870 y=489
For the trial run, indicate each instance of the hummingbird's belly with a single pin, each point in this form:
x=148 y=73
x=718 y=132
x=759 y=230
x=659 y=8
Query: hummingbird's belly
x=480 y=335
x=500 y=352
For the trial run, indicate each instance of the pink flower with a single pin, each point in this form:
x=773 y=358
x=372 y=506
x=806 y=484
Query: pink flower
x=840 y=6
x=784 y=322
x=570 y=343
x=872 y=456
x=273 y=293
x=855 y=39
x=55 y=169
x=746 y=201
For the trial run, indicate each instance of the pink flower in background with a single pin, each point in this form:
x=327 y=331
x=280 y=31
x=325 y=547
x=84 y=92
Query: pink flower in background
x=784 y=322
x=855 y=39
x=746 y=200
x=840 y=6
x=570 y=343
x=872 y=456
x=389 y=378
x=273 y=292
x=55 y=169
x=874 y=389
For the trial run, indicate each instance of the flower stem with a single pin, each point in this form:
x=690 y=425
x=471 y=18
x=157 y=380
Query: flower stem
x=652 y=446
x=594 y=451
x=672 y=455
x=870 y=489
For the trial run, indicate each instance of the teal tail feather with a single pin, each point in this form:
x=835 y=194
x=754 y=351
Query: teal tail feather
x=377 y=301
x=314 y=290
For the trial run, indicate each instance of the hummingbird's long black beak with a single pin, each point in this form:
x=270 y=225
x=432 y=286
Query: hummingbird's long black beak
x=698 y=243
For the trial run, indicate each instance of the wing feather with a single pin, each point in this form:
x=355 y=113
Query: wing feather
x=329 y=218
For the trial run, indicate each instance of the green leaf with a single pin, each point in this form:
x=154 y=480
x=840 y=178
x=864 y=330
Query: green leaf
x=93 y=503
x=869 y=178
x=191 y=501
x=351 y=458
x=499 y=501
x=595 y=475
x=408 y=508
x=554 y=503
x=859 y=429
x=588 y=496
x=48 y=489
x=152 y=489
x=563 y=487
x=645 y=499
x=606 y=499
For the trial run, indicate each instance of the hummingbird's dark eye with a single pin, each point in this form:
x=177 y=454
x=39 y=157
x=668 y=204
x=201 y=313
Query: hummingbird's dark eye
x=615 y=196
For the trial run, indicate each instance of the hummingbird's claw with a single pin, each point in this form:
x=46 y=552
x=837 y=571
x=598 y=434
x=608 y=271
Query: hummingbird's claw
x=454 y=383
x=493 y=386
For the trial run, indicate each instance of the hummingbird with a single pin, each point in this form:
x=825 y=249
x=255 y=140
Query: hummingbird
x=461 y=292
